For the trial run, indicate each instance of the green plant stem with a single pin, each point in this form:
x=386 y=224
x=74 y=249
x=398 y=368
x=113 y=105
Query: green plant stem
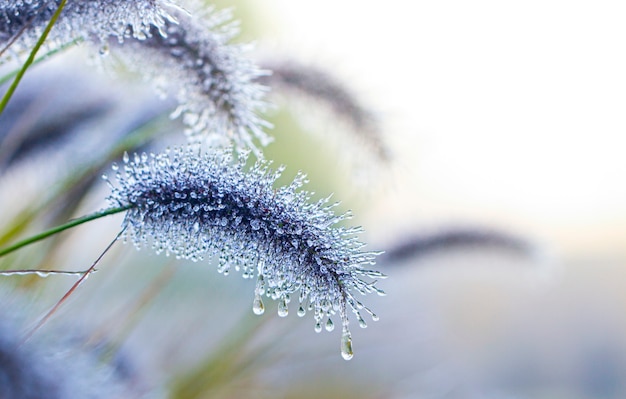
x=49 y=54
x=63 y=227
x=134 y=139
x=31 y=57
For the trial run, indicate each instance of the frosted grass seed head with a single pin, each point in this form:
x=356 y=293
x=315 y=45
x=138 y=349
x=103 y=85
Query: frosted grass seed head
x=195 y=205
x=189 y=56
x=215 y=85
x=24 y=21
x=324 y=90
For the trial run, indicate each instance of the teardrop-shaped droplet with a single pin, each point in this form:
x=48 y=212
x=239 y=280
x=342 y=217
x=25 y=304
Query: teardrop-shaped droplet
x=104 y=50
x=346 y=345
x=257 y=306
x=301 y=311
x=318 y=327
x=362 y=322
x=283 y=310
x=330 y=325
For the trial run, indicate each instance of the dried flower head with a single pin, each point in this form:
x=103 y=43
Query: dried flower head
x=192 y=205
x=89 y=20
x=211 y=79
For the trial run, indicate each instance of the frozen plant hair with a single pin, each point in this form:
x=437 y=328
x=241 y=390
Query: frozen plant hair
x=214 y=84
x=192 y=205
x=80 y=19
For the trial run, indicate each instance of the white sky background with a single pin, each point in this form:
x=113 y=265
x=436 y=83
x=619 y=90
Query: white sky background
x=506 y=113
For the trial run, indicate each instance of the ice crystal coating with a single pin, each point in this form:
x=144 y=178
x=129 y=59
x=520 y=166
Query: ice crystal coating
x=211 y=79
x=80 y=19
x=192 y=205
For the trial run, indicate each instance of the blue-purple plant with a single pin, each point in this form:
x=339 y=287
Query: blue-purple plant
x=197 y=201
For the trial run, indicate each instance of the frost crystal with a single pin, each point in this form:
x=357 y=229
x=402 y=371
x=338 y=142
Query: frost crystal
x=85 y=19
x=214 y=84
x=192 y=206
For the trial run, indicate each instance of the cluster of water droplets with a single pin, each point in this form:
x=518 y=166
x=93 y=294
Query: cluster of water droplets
x=188 y=56
x=80 y=19
x=192 y=205
x=213 y=82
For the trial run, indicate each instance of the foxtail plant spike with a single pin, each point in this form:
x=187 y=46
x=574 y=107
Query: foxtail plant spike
x=328 y=91
x=193 y=206
x=214 y=84
x=23 y=21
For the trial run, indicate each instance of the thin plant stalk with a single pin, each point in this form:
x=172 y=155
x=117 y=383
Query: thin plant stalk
x=15 y=37
x=31 y=57
x=63 y=227
x=65 y=297
x=40 y=272
x=50 y=53
x=134 y=139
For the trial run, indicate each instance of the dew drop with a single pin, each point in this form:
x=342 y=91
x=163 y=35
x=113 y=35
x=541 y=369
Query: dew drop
x=257 y=305
x=346 y=345
x=330 y=325
x=362 y=322
x=301 y=312
x=318 y=327
x=104 y=50
x=283 y=310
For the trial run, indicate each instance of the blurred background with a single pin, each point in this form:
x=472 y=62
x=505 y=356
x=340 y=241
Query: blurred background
x=499 y=202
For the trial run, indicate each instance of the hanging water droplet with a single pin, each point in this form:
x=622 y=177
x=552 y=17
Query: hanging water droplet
x=283 y=310
x=301 y=311
x=104 y=50
x=318 y=327
x=330 y=325
x=346 y=345
x=125 y=157
x=362 y=322
x=257 y=305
